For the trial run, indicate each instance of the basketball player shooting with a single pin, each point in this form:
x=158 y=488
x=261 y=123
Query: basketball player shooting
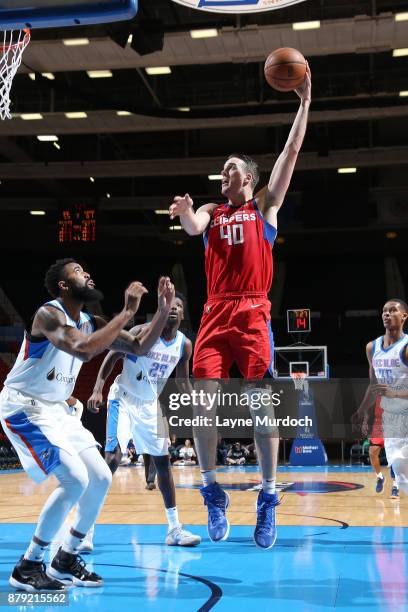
x=38 y=421
x=239 y=236
x=388 y=371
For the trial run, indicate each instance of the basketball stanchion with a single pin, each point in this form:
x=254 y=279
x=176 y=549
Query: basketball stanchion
x=11 y=53
x=307 y=448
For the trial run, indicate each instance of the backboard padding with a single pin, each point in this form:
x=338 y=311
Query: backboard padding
x=20 y=14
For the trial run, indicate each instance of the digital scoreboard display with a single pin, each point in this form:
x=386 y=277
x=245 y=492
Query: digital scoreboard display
x=298 y=320
x=77 y=223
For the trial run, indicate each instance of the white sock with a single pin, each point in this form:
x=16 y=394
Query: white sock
x=36 y=550
x=269 y=485
x=172 y=517
x=72 y=540
x=380 y=475
x=208 y=477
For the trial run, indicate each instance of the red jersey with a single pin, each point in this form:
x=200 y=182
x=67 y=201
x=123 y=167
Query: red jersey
x=238 y=251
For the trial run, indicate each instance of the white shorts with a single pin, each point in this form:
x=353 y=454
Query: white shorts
x=393 y=448
x=38 y=429
x=395 y=430
x=130 y=417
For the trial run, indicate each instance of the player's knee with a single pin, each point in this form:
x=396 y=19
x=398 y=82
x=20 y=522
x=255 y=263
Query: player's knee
x=262 y=412
x=162 y=464
x=373 y=452
x=113 y=459
x=79 y=483
x=104 y=476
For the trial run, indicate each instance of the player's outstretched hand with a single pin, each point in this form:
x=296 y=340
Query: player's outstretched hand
x=95 y=402
x=165 y=293
x=180 y=206
x=304 y=91
x=133 y=295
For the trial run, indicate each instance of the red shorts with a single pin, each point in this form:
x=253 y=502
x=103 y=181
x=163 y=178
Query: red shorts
x=234 y=329
x=377 y=442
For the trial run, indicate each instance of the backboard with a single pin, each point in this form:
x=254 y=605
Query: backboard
x=311 y=360
x=20 y=14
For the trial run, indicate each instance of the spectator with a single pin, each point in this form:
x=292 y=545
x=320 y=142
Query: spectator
x=173 y=448
x=251 y=452
x=132 y=453
x=130 y=456
x=236 y=455
x=222 y=451
x=187 y=454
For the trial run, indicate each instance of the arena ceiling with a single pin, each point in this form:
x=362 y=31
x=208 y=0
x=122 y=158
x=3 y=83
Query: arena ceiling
x=143 y=138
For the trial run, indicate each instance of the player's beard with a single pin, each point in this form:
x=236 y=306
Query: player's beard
x=86 y=294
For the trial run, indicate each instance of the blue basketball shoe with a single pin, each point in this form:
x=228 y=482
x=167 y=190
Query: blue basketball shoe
x=217 y=502
x=380 y=485
x=265 y=530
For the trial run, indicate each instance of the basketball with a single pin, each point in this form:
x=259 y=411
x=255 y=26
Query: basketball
x=285 y=69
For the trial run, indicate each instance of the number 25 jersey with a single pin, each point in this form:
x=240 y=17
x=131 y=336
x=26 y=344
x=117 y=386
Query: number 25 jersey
x=145 y=376
x=238 y=251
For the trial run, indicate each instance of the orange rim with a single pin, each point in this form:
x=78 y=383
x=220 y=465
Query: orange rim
x=21 y=43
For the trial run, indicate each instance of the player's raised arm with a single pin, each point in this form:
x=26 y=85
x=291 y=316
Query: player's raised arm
x=141 y=340
x=194 y=222
x=282 y=172
x=51 y=323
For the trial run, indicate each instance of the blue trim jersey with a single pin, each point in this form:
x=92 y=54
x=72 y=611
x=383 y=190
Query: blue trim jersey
x=144 y=377
x=391 y=370
x=238 y=251
x=42 y=370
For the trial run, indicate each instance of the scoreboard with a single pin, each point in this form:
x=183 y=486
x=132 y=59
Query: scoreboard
x=77 y=223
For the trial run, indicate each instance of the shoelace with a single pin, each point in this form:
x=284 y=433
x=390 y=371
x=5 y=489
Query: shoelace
x=265 y=517
x=180 y=533
x=216 y=507
x=79 y=566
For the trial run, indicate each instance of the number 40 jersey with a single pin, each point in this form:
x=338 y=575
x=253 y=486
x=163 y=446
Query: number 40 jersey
x=145 y=376
x=238 y=251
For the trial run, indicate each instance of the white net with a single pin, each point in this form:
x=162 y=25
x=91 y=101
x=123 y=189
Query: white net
x=300 y=382
x=11 y=53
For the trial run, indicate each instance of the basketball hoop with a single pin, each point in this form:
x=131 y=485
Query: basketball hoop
x=300 y=381
x=11 y=53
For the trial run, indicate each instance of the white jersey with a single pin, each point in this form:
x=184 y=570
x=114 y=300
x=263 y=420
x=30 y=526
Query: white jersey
x=144 y=377
x=42 y=370
x=391 y=370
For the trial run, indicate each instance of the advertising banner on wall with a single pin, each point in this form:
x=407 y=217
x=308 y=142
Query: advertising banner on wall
x=237 y=6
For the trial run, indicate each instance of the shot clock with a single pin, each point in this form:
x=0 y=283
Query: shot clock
x=298 y=320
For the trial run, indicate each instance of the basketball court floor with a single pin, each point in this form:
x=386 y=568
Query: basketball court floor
x=340 y=545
